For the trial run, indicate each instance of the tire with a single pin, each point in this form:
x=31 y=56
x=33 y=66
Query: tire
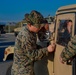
x=15 y=34
x=8 y=72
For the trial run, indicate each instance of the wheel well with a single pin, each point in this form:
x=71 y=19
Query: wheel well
x=10 y=57
x=9 y=70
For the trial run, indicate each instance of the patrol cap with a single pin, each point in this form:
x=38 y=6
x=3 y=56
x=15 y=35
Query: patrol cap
x=35 y=18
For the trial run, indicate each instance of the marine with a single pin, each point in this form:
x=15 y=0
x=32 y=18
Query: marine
x=25 y=50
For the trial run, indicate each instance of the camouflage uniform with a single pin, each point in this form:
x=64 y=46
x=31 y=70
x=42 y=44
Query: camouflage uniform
x=69 y=51
x=26 y=52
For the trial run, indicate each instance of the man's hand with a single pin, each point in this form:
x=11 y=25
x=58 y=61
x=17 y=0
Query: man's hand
x=51 y=48
x=61 y=60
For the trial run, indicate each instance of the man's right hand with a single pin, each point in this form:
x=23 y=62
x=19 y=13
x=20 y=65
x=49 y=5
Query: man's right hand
x=51 y=48
x=61 y=60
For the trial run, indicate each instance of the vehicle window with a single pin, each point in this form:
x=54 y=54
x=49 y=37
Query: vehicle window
x=64 y=32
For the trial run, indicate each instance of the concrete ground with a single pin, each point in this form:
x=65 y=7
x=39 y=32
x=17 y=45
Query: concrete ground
x=5 y=41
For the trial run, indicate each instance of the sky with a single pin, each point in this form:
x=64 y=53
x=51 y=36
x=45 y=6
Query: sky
x=14 y=10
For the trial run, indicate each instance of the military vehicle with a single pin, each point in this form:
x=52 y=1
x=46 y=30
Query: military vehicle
x=17 y=30
x=62 y=15
x=51 y=65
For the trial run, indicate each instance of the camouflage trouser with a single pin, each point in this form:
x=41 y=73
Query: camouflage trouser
x=29 y=70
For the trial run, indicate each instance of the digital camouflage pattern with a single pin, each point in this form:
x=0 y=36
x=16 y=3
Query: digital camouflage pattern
x=35 y=18
x=26 y=53
x=69 y=51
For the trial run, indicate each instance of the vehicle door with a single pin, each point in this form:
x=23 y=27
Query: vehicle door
x=62 y=40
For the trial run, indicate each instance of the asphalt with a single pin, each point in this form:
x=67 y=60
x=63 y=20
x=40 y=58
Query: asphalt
x=7 y=37
x=5 y=68
x=5 y=41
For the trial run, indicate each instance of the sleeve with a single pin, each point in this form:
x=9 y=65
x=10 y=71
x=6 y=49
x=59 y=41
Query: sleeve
x=29 y=51
x=69 y=51
x=37 y=54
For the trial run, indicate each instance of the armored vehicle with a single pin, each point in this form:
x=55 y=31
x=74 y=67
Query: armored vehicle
x=17 y=30
x=51 y=65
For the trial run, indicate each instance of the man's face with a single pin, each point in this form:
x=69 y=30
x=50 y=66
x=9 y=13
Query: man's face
x=69 y=23
x=43 y=34
x=42 y=29
x=34 y=29
x=45 y=28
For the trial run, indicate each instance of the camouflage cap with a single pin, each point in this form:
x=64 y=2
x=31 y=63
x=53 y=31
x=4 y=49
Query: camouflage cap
x=35 y=18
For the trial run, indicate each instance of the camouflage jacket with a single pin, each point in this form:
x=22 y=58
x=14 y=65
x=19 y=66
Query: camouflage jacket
x=26 y=52
x=69 y=51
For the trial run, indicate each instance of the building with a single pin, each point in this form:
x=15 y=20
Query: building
x=49 y=19
x=2 y=25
